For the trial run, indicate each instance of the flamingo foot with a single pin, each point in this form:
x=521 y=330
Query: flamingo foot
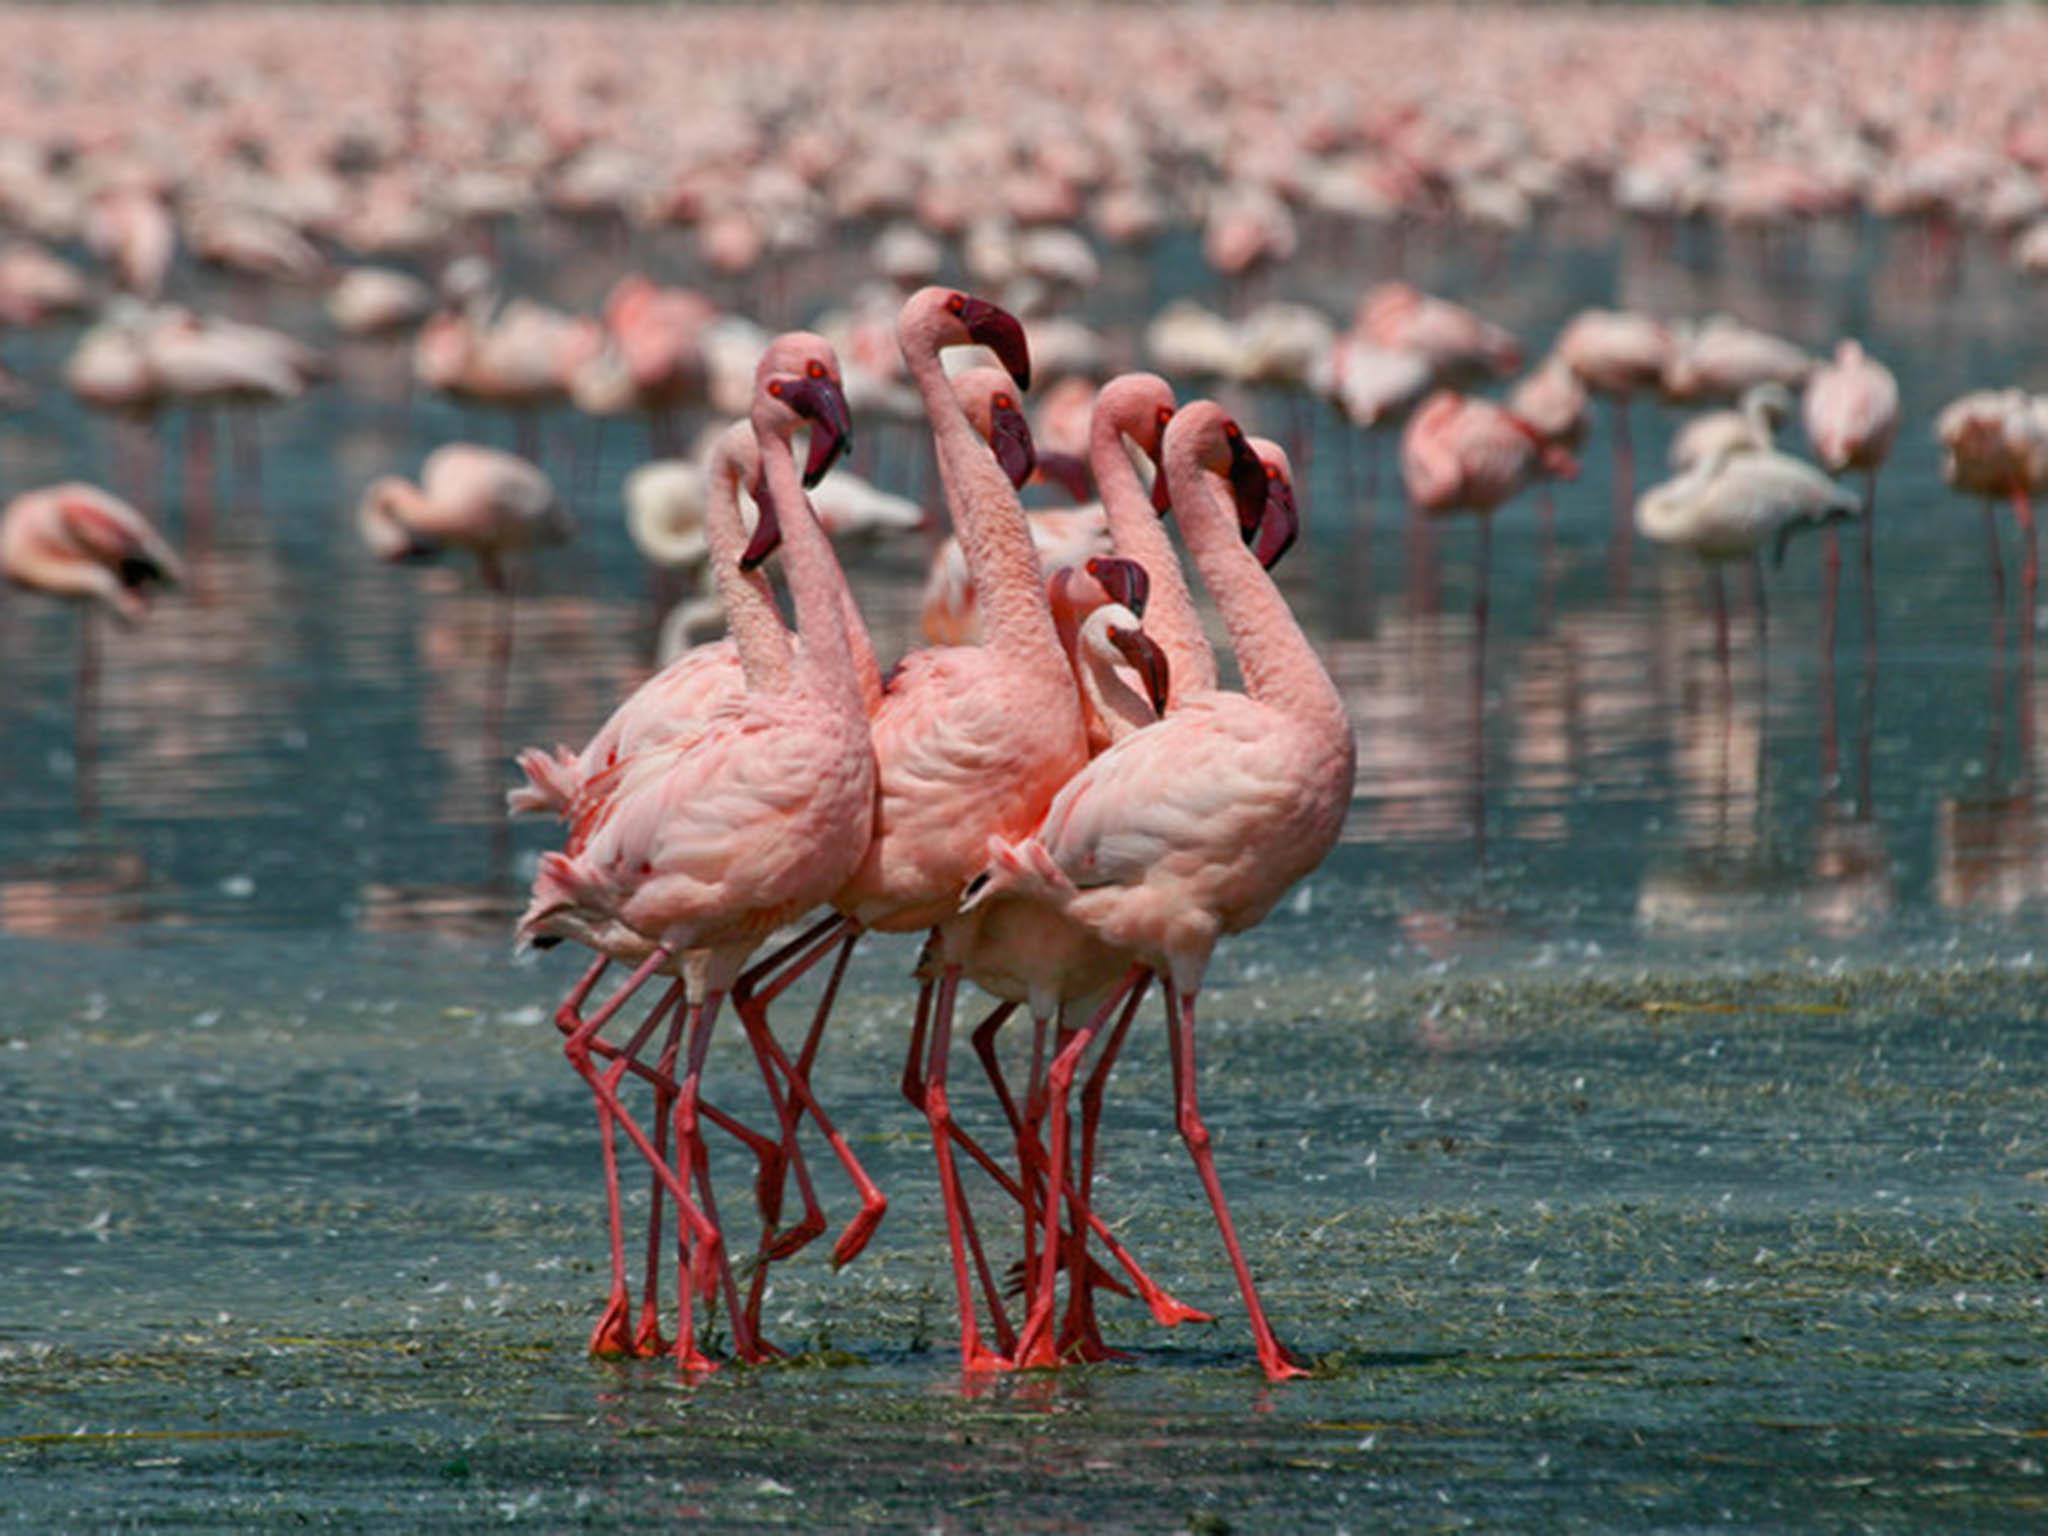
x=694 y=1365
x=787 y=1245
x=858 y=1231
x=759 y=1351
x=649 y=1343
x=1280 y=1364
x=612 y=1338
x=980 y=1360
x=1170 y=1313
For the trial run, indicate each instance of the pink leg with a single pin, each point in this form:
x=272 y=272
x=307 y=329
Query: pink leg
x=913 y=1085
x=753 y=1013
x=1181 y=1022
x=705 y=1244
x=647 y=1340
x=752 y=995
x=938 y=1112
x=578 y=1048
x=1621 y=543
x=1081 y=1332
x=612 y=1335
x=1037 y=1346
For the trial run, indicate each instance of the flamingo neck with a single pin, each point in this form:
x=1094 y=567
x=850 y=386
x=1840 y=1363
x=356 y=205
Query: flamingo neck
x=1001 y=560
x=1112 y=708
x=816 y=585
x=1280 y=667
x=751 y=617
x=1139 y=533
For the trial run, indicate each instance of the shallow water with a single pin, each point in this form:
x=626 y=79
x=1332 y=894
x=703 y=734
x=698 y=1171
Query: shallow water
x=1669 y=1155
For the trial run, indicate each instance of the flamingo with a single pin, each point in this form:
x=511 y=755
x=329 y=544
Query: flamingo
x=1734 y=504
x=78 y=542
x=1852 y=415
x=710 y=844
x=969 y=741
x=1616 y=354
x=1192 y=828
x=1995 y=444
x=1460 y=454
x=1754 y=423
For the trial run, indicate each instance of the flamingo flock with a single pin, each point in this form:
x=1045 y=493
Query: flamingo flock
x=1064 y=799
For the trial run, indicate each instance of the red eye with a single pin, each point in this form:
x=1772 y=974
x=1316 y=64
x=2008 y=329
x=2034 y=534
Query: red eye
x=1272 y=472
x=775 y=388
x=1005 y=403
x=956 y=303
x=1165 y=414
x=816 y=369
x=1231 y=431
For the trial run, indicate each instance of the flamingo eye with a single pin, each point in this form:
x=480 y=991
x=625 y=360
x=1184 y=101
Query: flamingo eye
x=956 y=303
x=1272 y=472
x=1232 y=431
x=816 y=369
x=775 y=389
x=1005 y=403
x=1165 y=414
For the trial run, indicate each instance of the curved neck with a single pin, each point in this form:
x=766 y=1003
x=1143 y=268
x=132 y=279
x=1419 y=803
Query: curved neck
x=816 y=585
x=751 y=617
x=1112 y=706
x=1139 y=533
x=1756 y=413
x=1280 y=667
x=1008 y=587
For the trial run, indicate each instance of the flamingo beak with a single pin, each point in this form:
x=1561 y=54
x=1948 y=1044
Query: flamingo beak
x=1281 y=524
x=1249 y=487
x=767 y=531
x=1010 y=437
x=1147 y=660
x=1162 y=494
x=1002 y=333
x=822 y=403
x=1126 y=581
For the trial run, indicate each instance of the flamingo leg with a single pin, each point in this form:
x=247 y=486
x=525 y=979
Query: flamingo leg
x=1036 y=1346
x=974 y=1356
x=1481 y=595
x=913 y=1085
x=1081 y=1332
x=647 y=1340
x=1274 y=1359
x=1621 y=542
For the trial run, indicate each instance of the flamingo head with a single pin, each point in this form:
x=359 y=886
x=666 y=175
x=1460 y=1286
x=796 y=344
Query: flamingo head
x=1141 y=404
x=1121 y=638
x=990 y=400
x=801 y=371
x=959 y=319
x=1123 y=579
x=1280 y=523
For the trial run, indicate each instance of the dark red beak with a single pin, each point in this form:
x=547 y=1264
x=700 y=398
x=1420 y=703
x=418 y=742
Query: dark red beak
x=1123 y=579
x=767 y=532
x=1002 y=333
x=1281 y=524
x=1162 y=495
x=1010 y=437
x=1147 y=660
x=822 y=403
x=1069 y=473
x=1248 y=484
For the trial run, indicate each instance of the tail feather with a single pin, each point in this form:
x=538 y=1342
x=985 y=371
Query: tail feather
x=1023 y=869
x=560 y=885
x=553 y=780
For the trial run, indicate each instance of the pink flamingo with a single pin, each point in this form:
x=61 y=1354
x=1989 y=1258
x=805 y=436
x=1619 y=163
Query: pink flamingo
x=758 y=636
x=970 y=741
x=1195 y=827
x=1852 y=415
x=78 y=542
x=709 y=845
x=1616 y=354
